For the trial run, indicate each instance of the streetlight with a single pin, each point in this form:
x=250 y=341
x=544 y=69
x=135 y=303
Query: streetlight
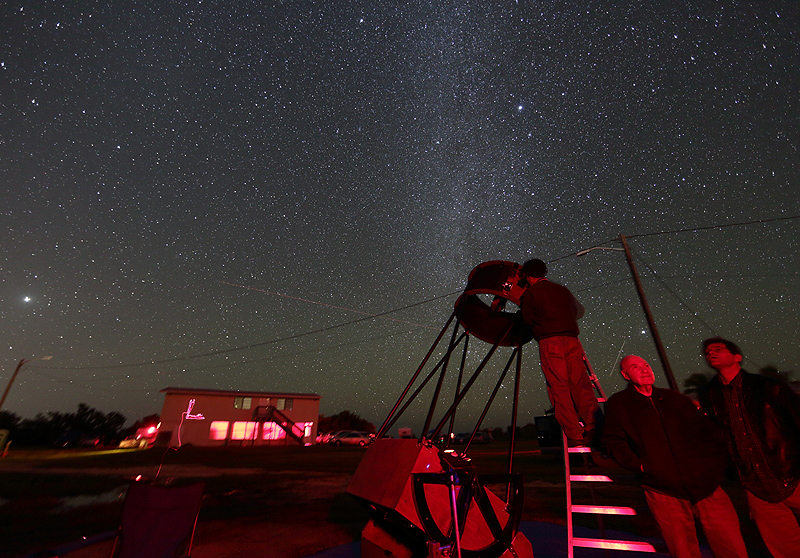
x=14 y=375
x=584 y=252
x=662 y=353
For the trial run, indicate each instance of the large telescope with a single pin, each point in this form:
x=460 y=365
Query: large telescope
x=429 y=501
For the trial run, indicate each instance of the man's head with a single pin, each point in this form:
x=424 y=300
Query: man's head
x=722 y=354
x=637 y=371
x=534 y=268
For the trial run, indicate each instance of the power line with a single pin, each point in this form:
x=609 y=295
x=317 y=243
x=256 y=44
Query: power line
x=695 y=229
x=676 y=231
x=683 y=303
x=254 y=345
x=322 y=304
x=693 y=277
x=384 y=314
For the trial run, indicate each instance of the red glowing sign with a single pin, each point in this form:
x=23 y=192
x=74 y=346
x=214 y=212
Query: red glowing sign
x=188 y=414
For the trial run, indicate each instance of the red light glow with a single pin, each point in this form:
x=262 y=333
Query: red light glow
x=188 y=414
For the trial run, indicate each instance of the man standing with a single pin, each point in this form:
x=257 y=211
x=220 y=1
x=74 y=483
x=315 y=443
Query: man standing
x=553 y=312
x=678 y=455
x=760 y=418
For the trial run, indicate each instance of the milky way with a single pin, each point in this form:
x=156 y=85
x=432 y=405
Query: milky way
x=221 y=194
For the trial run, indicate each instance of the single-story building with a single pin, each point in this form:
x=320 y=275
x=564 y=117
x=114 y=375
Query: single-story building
x=212 y=417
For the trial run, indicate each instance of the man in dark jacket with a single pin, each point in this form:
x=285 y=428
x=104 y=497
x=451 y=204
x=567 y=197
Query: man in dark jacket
x=760 y=418
x=553 y=313
x=679 y=457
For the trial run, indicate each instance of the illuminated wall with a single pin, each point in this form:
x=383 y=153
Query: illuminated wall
x=232 y=418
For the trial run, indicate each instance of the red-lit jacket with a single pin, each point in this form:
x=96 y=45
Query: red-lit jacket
x=665 y=439
x=774 y=411
x=550 y=309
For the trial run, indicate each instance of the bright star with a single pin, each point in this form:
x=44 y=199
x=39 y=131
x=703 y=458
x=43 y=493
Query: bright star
x=26 y=299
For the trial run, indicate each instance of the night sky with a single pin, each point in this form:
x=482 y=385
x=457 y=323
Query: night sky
x=290 y=196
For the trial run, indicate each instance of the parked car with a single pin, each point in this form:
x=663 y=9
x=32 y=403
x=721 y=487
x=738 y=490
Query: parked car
x=351 y=438
x=133 y=442
x=330 y=437
x=76 y=439
x=143 y=438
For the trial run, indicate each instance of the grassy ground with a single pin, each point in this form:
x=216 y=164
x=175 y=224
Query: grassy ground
x=288 y=499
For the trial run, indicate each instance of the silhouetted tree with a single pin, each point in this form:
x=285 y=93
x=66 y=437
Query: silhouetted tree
x=527 y=432
x=346 y=420
x=695 y=382
x=772 y=372
x=46 y=428
x=8 y=421
x=498 y=433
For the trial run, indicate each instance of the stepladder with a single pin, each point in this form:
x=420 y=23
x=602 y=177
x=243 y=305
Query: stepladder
x=591 y=470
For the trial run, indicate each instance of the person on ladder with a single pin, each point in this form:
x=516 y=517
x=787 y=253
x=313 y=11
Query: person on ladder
x=553 y=312
x=678 y=455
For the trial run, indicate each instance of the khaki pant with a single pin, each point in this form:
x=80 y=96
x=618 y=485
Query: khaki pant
x=778 y=524
x=568 y=386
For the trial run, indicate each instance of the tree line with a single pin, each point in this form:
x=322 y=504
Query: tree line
x=86 y=426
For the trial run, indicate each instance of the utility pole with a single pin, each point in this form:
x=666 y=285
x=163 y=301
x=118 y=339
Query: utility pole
x=662 y=353
x=14 y=376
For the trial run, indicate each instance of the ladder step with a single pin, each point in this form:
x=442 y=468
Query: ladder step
x=580 y=449
x=590 y=478
x=612 y=544
x=608 y=510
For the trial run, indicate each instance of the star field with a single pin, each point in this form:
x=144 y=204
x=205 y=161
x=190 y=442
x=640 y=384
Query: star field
x=214 y=194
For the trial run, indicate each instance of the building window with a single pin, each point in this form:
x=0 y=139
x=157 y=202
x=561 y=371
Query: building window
x=284 y=404
x=219 y=430
x=243 y=430
x=242 y=402
x=271 y=431
x=307 y=429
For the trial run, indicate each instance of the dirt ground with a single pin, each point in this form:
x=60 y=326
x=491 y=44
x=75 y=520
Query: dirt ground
x=287 y=537
x=220 y=539
x=279 y=513
x=299 y=529
x=273 y=503
x=279 y=504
